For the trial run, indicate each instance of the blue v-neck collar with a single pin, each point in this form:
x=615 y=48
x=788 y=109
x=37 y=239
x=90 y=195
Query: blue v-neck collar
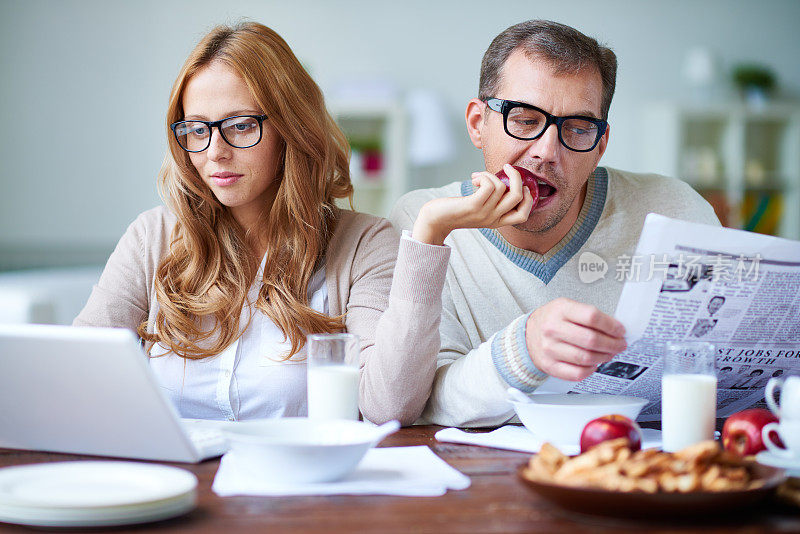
x=545 y=266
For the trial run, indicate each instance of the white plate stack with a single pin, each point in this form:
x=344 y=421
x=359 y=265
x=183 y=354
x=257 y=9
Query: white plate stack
x=93 y=494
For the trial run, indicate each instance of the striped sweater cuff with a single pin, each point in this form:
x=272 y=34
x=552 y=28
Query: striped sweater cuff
x=511 y=358
x=420 y=271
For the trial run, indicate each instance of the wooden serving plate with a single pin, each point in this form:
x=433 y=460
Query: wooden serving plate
x=641 y=505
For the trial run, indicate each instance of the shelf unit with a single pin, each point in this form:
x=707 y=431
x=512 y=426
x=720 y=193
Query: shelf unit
x=376 y=132
x=745 y=161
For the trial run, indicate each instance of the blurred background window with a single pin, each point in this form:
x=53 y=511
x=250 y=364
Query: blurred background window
x=706 y=92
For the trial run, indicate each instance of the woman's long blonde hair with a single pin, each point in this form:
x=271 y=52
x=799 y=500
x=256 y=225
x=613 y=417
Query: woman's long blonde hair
x=210 y=266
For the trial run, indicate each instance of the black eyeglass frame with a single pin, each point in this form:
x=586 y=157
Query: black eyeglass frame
x=504 y=107
x=218 y=124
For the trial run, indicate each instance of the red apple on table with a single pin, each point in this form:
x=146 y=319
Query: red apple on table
x=611 y=427
x=528 y=179
x=741 y=433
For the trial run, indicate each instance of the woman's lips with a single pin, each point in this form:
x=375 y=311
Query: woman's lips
x=223 y=179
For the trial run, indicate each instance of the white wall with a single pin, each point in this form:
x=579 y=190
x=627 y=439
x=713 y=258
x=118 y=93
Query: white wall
x=85 y=83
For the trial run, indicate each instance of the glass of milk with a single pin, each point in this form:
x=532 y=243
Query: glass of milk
x=333 y=362
x=688 y=394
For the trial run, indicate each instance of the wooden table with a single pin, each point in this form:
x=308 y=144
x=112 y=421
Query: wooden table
x=495 y=502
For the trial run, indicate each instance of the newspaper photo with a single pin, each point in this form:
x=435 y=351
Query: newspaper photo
x=694 y=282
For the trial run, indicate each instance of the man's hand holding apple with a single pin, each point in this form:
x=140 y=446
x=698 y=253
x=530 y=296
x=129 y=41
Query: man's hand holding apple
x=492 y=205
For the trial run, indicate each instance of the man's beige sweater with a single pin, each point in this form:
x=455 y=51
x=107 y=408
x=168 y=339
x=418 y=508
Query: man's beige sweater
x=492 y=287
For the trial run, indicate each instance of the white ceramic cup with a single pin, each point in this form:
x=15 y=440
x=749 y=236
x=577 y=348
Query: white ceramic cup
x=789 y=432
x=333 y=375
x=789 y=408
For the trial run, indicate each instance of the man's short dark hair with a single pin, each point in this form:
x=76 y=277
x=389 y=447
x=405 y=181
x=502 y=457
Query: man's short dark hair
x=565 y=48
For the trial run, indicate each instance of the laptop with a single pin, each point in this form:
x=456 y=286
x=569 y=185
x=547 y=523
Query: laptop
x=91 y=391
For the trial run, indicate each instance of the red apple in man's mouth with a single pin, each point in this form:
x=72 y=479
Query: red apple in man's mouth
x=536 y=188
x=741 y=433
x=611 y=427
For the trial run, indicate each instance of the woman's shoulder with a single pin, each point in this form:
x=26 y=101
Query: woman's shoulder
x=152 y=230
x=354 y=224
x=359 y=234
x=158 y=221
x=156 y=218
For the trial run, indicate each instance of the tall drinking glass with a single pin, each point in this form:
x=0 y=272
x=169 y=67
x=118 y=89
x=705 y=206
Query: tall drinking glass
x=688 y=394
x=333 y=361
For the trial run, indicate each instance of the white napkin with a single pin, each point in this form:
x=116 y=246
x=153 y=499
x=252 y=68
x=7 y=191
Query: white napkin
x=519 y=438
x=408 y=471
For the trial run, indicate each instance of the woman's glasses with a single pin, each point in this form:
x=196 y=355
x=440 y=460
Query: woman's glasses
x=240 y=131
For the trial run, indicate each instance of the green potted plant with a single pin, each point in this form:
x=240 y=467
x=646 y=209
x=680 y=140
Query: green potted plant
x=755 y=81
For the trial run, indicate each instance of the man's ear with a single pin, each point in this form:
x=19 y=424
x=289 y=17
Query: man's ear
x=603 y=143
x=474 y=116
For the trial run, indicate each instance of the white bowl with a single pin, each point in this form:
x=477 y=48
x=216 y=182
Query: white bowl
x=560 y=418
x=298 y=449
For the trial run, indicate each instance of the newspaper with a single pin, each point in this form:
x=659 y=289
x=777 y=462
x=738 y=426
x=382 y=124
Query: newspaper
x=694 y=282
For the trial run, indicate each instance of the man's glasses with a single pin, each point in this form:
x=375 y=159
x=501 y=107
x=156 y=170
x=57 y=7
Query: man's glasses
x=526 y=122
x=241 y=131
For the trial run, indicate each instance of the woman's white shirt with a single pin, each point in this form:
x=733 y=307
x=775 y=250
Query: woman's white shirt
x=249 y=379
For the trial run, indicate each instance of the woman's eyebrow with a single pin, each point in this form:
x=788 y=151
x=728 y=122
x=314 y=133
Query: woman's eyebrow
x=228 y=114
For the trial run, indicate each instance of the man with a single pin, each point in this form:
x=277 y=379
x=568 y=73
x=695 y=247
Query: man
x=715 y=304
x=514 y=308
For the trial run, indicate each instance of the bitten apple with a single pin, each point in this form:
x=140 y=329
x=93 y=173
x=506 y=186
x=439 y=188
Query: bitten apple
x=741 y=433
x=611 y=427
x=528 y=179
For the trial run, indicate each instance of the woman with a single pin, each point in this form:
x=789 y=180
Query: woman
x=251 y=253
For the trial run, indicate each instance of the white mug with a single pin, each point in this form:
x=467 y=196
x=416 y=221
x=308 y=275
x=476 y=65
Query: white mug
x=789 y=408
x=789 y=432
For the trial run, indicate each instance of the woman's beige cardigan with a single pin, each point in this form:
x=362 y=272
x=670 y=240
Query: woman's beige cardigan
x=397 y=317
